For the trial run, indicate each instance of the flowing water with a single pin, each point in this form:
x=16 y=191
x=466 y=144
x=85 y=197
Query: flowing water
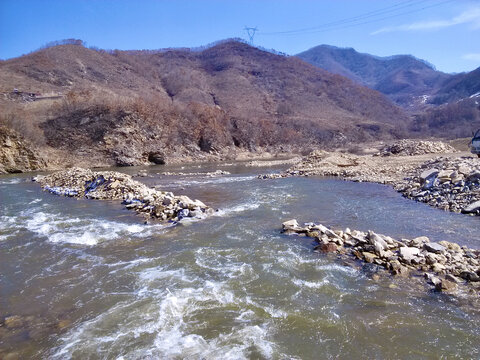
x=89 y=280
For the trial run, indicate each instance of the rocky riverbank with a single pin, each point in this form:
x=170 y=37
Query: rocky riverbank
x=111 y=185
x=413 y=168
x=350 y=167
x=447 y=183
x=409 y=154
x=407 y=147
x=447 y=266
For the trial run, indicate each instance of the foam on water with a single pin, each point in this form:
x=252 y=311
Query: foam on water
x=237 y=209
x=221 y=180
x=63 y=228
x=12 y=181
x=310 y=284
x=169 y=323
x=57 y=228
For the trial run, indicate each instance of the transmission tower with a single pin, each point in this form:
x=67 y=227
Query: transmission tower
x=251 y=32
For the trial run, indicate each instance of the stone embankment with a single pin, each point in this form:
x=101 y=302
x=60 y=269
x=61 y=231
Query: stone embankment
x=111 y=185
x=447 y=266
x=448 y=183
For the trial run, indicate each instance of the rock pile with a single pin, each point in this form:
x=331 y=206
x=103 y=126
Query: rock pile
x=415 y=147
x=346 y=166
x=445 y=265
x=111 y=185
x=448 y=183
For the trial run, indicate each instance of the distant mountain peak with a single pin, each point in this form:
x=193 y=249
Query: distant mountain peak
x=404 y=78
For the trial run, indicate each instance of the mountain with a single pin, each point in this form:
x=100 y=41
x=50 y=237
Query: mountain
x=135 y=107
x=403 y=78
x=458 y=87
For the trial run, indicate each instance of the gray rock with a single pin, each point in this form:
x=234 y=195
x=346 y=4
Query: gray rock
x=428 y=175
x=377 y=241
x=446 y=286
x=290 y=225
x=471 y=208
x=183 y=214
x=469 y=276
x=434 y=248
x=369 y=257
x=452 y=278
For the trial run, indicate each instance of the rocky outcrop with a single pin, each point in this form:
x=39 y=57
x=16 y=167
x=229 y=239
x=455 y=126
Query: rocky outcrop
x=16 y=154
x=445 y=265
x=415 y=147
x=448 y=183
x=111 y=185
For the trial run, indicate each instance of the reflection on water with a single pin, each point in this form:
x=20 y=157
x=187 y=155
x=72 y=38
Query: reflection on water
x=87 y=280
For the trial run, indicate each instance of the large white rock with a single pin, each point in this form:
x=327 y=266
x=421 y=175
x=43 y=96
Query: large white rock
x=408 y=253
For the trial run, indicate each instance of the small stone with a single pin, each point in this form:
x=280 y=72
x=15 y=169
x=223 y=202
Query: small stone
x=469 y=276
x=449 y=245
x=290 y=225
x=369 y=257
x=326 y=248
x=438 y=268
x=419 y=241
x=428 y=174
x=13 y=322
x=375 y=277
x=446 y=286
x=471 y=208
x=453 y=278
x=63 y=324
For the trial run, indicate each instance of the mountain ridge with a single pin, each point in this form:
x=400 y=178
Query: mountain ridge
x=229 y=96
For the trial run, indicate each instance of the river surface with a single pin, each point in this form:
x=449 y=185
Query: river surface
x=89 y=280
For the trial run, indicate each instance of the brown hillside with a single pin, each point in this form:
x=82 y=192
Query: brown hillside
x=124 y=106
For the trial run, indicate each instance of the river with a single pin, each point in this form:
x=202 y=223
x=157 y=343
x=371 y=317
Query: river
x=89 y=280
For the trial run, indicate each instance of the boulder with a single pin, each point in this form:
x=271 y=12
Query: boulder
x=450 y=245
x=428 y=175
x=290 y=225
x=469 y=276
x=377 y=241
x=434 y=247
x=369 y=257
x=446 y=286
x=472 y=208
x=408 y=253
x=326 y=248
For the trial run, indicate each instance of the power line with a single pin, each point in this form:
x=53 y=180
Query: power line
x=344 y=23
x=354 y=18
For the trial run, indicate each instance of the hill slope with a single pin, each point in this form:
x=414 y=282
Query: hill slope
x=129 y=107
x=403 y=78
x=459 y=86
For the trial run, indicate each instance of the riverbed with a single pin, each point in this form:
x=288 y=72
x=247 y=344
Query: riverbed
x=88 y=280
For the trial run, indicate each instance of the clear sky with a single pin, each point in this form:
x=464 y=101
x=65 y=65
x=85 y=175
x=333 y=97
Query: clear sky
x=443 y=32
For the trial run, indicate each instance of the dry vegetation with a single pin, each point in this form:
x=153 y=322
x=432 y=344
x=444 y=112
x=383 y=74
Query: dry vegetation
x=123 y=106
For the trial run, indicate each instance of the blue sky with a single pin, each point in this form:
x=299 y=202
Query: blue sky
x=443 y=32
